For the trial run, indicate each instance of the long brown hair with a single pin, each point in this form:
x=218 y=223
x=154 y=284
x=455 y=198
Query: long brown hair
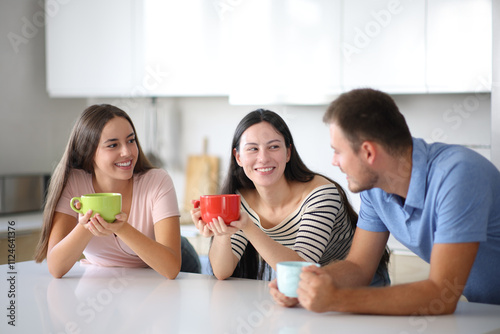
x=79 y=154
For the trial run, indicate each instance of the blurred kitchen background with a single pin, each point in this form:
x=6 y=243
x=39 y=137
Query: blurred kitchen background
x=188 y=71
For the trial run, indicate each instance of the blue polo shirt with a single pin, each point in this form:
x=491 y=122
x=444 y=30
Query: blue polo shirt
x=454 y=197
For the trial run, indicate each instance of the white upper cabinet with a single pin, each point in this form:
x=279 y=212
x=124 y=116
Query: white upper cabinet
x=383 y=45
x=434 y=46
x=263 y=51
x=132 y=48
x=183 y=40
x=283 y=51
x=459 y=39
x=90 y=47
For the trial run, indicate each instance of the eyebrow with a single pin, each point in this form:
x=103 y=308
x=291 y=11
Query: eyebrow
x=115 y=139
x=269 y=142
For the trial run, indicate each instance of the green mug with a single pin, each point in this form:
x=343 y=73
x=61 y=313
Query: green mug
x=108 y=205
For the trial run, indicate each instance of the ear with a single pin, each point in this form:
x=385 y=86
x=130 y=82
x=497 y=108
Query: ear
x=288 y=153
x=368 y=151
x=237 y=156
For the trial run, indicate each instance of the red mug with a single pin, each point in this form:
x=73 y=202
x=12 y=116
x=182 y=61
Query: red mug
x=225 y=206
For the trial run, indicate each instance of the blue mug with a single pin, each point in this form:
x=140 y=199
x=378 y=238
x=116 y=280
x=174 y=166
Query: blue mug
x=288 y=276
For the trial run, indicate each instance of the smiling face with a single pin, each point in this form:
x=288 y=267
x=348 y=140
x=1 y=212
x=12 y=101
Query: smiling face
x=117 y=151
x=358 y=173
x=262 y=154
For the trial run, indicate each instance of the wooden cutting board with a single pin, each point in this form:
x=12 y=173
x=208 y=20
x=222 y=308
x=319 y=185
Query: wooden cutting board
x=202 y=176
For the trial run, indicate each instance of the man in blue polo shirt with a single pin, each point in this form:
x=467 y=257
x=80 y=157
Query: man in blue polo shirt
x=441 y=201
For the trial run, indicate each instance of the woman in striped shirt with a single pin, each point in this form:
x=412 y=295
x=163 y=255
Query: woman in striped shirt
x=289 y=213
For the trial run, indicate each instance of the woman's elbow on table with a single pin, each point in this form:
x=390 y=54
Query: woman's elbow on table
x=171 y=276
x=57 y=272
x=221 y=276
x=170 y=273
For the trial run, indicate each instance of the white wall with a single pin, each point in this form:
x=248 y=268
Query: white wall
x=33 y=127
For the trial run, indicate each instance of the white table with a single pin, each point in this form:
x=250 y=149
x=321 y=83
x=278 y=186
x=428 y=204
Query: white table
x=91 y=299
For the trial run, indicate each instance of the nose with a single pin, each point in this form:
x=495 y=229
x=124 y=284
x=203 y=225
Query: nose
x=335 y=161
x=125 y=151
x=262 y=156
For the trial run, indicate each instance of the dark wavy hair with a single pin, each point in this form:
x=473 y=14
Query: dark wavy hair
x=79 y=154
x=251 y=265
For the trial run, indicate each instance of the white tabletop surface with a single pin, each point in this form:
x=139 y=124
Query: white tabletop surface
x=91 y=299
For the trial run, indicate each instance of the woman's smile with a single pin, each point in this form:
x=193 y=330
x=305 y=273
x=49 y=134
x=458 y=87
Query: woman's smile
x=124 y=165
x=266 y=170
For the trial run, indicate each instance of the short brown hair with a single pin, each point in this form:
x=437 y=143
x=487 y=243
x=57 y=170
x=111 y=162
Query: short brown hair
x=368 y=114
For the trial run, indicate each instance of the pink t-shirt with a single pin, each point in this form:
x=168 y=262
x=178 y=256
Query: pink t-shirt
x=153 y=199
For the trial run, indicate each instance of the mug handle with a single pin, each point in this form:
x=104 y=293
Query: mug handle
x=72 y=204
x=196 y=203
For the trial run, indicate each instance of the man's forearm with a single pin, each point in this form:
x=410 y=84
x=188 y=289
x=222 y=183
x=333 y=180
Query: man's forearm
x=418 y=298
x=346 y=274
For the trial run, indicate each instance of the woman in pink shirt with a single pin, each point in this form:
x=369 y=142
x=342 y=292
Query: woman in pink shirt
x=104 y=156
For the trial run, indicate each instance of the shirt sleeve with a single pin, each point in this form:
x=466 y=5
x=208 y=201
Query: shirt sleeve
x=238 y=240
x=463 y=203
x=164 y=198
x=368 y=218
x=63 y=203
x=79 y=183
x=238 y=244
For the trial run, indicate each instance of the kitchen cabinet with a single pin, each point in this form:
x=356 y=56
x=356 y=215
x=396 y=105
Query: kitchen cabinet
x=260 y=52
x=133 y=48
x=459 y=46
x=407 y=268
x=284 y=51
x=438 y=46
x=19 y=235
x=305 y=52
x=383 y=45
x=195 y=48
x=183 y=40
x=92 y=48
x=25 y=245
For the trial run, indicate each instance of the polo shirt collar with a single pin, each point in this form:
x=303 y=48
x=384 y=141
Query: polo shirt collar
x=418 y=180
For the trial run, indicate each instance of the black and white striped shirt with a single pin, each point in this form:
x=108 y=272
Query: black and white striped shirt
x=319 y=230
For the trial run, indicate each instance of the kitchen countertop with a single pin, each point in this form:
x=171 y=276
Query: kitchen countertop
x=91 y=299
x=22 y=222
